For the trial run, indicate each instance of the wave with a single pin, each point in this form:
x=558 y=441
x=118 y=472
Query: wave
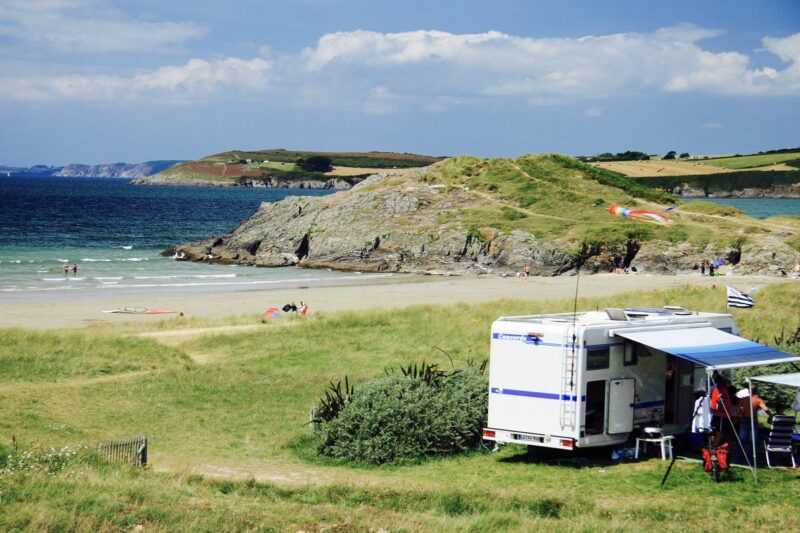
x=107 y=277
x=125 y=247
x=242 y=282
x=200 y=276
x=93 y=260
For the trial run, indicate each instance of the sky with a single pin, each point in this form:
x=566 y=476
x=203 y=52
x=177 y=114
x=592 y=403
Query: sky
x=101 y=81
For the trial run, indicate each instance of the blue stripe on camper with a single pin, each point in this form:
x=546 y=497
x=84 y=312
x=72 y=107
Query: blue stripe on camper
x=527 y=339
x=536 y=394
x=645 y=405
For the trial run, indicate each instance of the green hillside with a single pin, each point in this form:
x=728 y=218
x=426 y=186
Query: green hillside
x=235 y=166
x=726 y=181
x=791 y=159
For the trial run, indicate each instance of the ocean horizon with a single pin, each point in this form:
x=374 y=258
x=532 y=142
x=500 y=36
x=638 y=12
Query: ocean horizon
x=115 y=233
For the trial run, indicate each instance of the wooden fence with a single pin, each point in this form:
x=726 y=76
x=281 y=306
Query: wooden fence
x=132 y=450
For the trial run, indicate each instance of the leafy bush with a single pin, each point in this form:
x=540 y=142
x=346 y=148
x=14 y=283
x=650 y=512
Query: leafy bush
x=409 y=417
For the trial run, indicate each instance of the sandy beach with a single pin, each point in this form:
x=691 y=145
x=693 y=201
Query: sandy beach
x=393 y=292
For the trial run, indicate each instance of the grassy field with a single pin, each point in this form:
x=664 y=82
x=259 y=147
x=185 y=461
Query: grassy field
x=234 y=404
x=753 y=161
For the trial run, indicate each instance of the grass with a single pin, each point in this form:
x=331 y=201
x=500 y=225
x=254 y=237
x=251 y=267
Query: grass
x=237 y=404
x=753 y=161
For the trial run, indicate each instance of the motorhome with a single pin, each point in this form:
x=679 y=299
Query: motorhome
x=578 y=380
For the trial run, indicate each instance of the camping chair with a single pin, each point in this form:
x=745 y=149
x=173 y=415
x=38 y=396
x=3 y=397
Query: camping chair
x=780 y=437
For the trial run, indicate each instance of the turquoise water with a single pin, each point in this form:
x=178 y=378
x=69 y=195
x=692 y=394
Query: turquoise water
x=758 y=207
x=115 y=233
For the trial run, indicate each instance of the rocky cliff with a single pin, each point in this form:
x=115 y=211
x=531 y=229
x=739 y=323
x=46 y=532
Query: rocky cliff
x=78 y=170
x=475 y=216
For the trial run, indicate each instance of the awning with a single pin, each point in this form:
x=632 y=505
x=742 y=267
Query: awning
x=709 y=347
x=793 y=380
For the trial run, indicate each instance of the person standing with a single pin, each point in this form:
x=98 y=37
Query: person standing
x=703 y=267
x=526 y=271
x=66 y=268
x=75 y=268
x=711 y=269
x=722 y=410
x=748 y=418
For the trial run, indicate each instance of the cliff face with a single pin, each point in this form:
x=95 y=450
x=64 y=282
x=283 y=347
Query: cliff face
x=178 y=179
x=77 y=170
x=411 y=222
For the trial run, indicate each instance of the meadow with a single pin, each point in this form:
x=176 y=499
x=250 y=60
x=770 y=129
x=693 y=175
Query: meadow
x=756 y=160
x=226 y=415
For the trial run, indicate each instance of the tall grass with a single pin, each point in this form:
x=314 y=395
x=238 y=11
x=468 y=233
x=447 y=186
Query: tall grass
x=241 y=410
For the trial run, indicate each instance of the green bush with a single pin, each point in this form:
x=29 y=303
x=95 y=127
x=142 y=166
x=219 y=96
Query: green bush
x=400 y=418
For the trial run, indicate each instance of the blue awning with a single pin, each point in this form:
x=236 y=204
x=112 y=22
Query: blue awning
x=709 y=347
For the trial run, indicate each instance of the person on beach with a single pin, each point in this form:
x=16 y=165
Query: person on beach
x=75 y=268
x=526 y=271
x=711 y=269
x=66 y=269
x=703 y=267
x=302 y=309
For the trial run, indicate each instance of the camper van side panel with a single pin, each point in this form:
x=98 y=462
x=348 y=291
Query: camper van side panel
x=525 y=374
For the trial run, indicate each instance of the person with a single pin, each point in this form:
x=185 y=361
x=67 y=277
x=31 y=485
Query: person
x=797 y=270
x=289 y=308
x=722 y=411
x=75 y=268
x=526 y=271
x=66 y=269
x=748 y=407
x=711 y=269
x=703 y=267
x=701 y=422
x=302 y=308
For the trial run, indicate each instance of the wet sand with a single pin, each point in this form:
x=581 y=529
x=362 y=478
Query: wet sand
x=393 y=292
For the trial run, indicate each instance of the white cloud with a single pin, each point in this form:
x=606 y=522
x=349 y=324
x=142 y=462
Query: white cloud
x=380 y=73
x=197 y=79
x=87 y=26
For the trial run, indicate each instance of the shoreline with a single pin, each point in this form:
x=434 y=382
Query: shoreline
x=385 y=293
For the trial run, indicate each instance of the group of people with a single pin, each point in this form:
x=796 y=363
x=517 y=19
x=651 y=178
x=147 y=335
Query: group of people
x=67 y=268
x=732 y=415
x=711 y=266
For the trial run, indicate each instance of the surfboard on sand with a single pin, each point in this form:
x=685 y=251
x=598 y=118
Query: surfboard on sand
x=139 y=311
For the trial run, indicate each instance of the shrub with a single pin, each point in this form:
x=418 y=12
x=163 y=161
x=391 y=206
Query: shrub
x=403 y=418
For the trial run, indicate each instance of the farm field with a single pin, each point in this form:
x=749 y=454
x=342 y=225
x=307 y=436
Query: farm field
x=225 y=410
x=659 y=167
x=756 y=161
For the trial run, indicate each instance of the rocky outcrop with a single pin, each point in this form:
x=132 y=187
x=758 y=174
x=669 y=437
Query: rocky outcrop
x=774 y=191
x=404 y=223
x=265 y=182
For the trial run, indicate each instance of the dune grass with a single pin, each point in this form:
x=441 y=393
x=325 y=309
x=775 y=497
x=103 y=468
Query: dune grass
x=236 y=404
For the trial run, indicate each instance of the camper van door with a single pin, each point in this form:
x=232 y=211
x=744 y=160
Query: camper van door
x=621 y=394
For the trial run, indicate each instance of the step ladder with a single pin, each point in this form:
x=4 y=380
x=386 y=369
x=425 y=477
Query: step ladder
x=569 y=375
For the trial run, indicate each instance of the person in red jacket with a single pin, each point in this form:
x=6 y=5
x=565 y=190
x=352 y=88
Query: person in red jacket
x=722 y=411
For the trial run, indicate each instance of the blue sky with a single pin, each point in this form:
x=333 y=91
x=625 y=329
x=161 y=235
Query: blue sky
x=100 y=81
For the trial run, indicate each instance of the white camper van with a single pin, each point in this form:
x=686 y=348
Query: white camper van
x=590 y=379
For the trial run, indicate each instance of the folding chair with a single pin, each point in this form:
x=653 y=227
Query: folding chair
x=780 y=437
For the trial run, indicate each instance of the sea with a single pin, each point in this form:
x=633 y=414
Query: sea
x=758 y=207
x=115 y=232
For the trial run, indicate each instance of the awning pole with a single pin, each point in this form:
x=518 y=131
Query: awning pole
x=752 y=427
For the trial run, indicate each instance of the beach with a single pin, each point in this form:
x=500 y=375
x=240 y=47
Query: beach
x=390 y=292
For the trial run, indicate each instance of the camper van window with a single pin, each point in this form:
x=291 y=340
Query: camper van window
x=631 y=356
x=597 y=358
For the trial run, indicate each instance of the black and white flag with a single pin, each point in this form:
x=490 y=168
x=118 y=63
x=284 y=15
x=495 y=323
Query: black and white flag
x=739 y=299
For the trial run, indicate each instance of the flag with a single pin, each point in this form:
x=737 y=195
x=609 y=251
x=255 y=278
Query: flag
x=739 y=299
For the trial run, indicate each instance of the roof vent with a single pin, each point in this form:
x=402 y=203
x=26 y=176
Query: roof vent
x=677 y=309
x=616 y=314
